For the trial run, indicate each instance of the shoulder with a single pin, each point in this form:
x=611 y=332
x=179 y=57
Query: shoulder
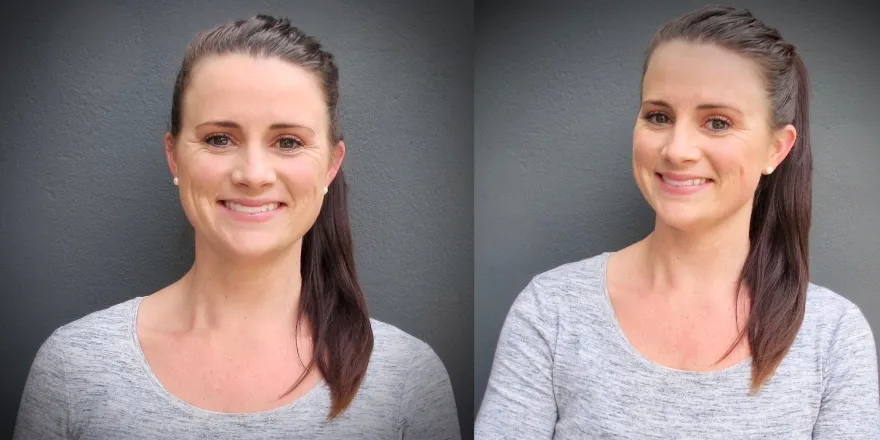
x=394 y=346
x=577 y=285
x=407 y=375
x=96 y=326
x=400 y=362
x=577 y=276
x=832 y=321
x=825 y=309
x=95 y=336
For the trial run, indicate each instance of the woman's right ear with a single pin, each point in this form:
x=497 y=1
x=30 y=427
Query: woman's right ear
x=169 y=153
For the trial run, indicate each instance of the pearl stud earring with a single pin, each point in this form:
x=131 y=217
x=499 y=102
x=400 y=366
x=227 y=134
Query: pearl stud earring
x=325 y=190
x=768 y=171
x=176 y=181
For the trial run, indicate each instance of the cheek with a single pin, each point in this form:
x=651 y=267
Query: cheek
x=304 y=176
x=646 y=148
x=728 y=159
x=734 y=167
x=205 y=173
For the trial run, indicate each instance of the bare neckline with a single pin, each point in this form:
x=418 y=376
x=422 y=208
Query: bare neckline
x=641 y=358
x=319 y=389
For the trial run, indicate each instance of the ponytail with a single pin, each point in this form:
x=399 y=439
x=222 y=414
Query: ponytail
x=776 y=272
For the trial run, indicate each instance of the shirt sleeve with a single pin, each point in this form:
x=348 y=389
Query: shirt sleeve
x=850 y=406
x=428 y=404
x=45 y=403
x=519 y=401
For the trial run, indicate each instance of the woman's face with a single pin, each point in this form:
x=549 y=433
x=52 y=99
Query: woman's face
x=703 y=136
x=253 y=155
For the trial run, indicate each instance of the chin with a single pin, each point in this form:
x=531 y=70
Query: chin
x=253 y=245
x=682 y=218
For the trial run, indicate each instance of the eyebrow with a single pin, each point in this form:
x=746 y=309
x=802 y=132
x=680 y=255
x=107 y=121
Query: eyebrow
x=275 y=126
x=708 y=106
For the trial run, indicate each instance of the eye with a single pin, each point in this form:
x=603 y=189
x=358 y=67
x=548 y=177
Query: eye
x=218 y=140
x=718 y=123
x=657 y=118
x=289 y=143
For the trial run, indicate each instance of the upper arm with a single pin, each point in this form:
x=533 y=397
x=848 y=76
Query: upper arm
x=519 y=400
x=428 y=404
x=850 y=406
x=45 y=402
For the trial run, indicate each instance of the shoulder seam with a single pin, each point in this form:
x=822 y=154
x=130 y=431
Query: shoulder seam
x=554 y=303
x=850 y=308
x=54 y=341
x=422 y=349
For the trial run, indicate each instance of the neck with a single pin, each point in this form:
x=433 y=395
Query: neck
x=697 y=262
x=222 y=292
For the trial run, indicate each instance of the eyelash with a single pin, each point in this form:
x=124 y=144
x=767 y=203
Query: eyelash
x=297 y=141
x=650 y=115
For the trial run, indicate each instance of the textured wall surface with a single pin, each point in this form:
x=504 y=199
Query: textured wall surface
x=89 y=216
x=555 y=100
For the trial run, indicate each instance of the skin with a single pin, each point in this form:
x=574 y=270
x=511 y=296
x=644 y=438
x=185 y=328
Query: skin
x=675 y=292
x=222 y=337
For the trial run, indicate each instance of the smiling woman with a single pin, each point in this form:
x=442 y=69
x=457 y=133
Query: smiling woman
x=268 y=334
x=708 y=327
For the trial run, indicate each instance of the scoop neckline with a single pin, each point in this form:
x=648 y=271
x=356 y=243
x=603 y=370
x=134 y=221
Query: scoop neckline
x=641 y=358
x=320 y=388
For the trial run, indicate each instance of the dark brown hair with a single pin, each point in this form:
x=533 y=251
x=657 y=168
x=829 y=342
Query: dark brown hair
x=776 y=272
x=331 y=301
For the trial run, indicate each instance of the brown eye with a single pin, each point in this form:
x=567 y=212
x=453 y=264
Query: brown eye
x=288 y=143
x=217 y=140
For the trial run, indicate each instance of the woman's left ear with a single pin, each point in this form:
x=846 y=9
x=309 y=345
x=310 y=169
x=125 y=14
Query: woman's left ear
x=336 y=155
x=782 y=144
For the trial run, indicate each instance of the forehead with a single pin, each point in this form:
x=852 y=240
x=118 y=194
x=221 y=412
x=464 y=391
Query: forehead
x=691 y=73
x=246 y=89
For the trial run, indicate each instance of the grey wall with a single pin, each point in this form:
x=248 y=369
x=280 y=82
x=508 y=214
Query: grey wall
x=89 y=217
x=555 y=99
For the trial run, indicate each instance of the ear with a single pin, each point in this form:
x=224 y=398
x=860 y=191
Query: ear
x=170 y=154
x=336 y=155
x=783 y=141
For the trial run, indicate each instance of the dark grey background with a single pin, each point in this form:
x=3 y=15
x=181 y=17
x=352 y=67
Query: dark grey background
x=556 y=95
x=89 y=216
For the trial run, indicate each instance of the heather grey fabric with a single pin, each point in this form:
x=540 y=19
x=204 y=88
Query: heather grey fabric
x=564 y=370
x=90 y=380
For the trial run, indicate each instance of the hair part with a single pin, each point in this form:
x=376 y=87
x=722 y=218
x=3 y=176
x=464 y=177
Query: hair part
x=331 y=302
x=776 y=272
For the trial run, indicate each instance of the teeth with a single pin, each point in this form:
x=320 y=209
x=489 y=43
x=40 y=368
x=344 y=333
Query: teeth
x=691 y=182
x=251 y=209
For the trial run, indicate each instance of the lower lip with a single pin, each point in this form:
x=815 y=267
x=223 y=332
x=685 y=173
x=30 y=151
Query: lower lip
x=683 y=190
x=251 y=217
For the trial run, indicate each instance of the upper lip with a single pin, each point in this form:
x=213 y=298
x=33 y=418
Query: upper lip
x=252 y=202
x=682 y=177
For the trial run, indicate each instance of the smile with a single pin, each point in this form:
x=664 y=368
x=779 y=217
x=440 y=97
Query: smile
x=251 y=209
x=690 y=182
x=682 y=184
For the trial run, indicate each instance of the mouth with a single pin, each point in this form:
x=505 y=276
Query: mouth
x=683 y=181
x=251 y=209
x=678 y=185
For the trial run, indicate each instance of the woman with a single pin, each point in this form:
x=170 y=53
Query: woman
x=268 y=335
x=709 y=327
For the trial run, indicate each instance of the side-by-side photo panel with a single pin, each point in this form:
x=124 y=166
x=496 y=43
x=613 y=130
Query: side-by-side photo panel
x=237 y=220
x=675 y=230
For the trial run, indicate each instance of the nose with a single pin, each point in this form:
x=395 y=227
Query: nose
x=254 y=168
x=681 y=146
